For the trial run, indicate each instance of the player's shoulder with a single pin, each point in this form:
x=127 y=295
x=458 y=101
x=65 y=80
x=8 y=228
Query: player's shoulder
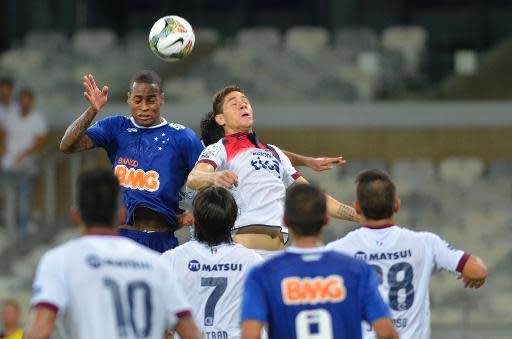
x=213 y=149
x=247 y=253
x=114 y=120
x=179 y=129
x=65 y=252
x=418 y=235
x=350 y=238
x=186 y=248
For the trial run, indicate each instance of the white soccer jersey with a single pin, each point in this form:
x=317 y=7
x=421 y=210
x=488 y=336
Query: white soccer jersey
x=213 y=279
x=404 y=261
x=263 y=173
x=108 y=287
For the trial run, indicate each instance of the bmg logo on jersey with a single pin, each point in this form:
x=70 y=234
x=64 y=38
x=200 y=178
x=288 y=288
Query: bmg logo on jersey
x=194 y=265
x=137 y=178
x=360 y=255
x=297 y=290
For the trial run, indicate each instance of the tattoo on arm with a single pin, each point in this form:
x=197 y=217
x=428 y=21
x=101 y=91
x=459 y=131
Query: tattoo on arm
x=75 y=139
x=346 y=212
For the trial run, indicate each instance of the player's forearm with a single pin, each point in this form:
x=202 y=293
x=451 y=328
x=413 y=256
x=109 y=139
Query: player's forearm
x=73 y=139
x=339 y=210
x=199 y=179
x=42 y=325
x=251 y=329
x=296 y=159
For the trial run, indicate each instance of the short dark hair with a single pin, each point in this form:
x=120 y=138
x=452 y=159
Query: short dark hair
x=6 y=81
x=376 y=194
x=305 y=208
x=211 y=132
x=146 y=77
x=27 y=91
x=215 y=211
x=218 y=98
x=98 y=197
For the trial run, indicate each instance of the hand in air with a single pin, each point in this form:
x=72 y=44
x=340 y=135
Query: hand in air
x=97 y=98
x=185 y=219
x=226 y=179
x=324 y=164
x=472 y=283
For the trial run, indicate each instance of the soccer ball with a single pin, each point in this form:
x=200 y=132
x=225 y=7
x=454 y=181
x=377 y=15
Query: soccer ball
x=171 y=38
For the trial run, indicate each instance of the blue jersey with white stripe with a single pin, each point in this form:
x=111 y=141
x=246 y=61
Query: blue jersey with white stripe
x=152 y=163
x=313 y=293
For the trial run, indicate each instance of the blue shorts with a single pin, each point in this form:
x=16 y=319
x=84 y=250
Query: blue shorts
x=157 y=241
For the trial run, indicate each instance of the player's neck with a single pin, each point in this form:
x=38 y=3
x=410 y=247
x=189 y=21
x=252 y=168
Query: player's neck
x=99 y=230
x=229 y=131
x=307 y=242
x=381 y=223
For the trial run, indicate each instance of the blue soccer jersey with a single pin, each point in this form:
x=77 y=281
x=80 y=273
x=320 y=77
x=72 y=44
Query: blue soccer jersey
x=152 y=163
x=313 y=294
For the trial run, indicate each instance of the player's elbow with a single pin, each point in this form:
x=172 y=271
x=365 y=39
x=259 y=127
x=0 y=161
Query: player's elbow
x=64 y=148
x=388 y=333
x=384 y=329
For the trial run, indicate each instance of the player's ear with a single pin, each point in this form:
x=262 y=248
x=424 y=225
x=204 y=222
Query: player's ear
x=162 y=98
x=122 y=213
x=76 y=218
x=128 y=97
x=327 y=219
x=285 y=221
x=357 y=207
x=396 y=206
x=219 y=118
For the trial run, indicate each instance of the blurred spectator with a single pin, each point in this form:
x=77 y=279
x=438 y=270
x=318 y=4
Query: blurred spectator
x=7 y=104
x=25 y=134
x=11 y=327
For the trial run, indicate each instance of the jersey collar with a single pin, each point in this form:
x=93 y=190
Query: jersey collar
x=163 y=123
x=303 y=250
x=378 y=227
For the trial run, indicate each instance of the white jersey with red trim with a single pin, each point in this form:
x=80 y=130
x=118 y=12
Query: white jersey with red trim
x=404 y=261
x=263 y=171
x=214 y=276
x=108 y=287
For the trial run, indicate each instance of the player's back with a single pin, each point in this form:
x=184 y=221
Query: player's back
x=214 y=278
x=107 y=287
x=404 y=261
x=313 y=293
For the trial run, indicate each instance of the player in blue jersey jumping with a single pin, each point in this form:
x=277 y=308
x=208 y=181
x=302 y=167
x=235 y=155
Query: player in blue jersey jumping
x=309 y=291
x=150 y=156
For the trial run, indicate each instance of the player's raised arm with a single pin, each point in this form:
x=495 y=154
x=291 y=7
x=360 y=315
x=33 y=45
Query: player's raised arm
x=474 y=272
x=335 y=208
x=317 y=164
x=203 y=175
x=75 y=139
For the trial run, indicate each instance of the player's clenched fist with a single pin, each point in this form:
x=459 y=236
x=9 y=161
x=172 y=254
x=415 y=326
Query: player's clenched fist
x=226 y=179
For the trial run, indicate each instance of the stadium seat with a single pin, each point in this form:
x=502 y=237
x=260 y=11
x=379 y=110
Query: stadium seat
x=264 y=38
x=46 y=41
x=355 y=41
x=94 y=42
x=306 y=41
x=410 y=41
x=463 y=171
